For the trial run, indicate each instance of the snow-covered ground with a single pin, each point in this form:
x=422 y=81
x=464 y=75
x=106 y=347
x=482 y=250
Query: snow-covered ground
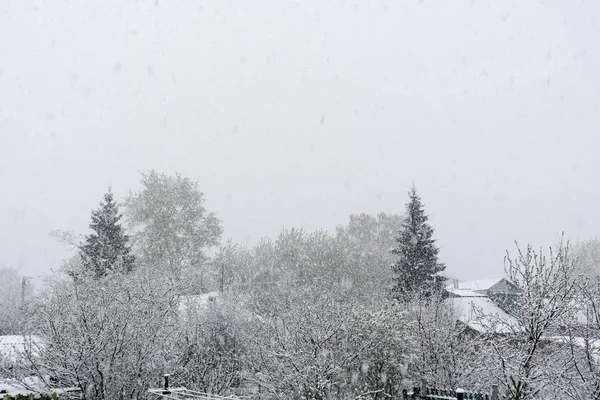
x=29 y=386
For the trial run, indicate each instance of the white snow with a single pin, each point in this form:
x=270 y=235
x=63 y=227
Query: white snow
x=200 y=301
x=464 y=292
x=476 y=310
x=483 y=315
x=594 y=344
x=32 y=385
x=479 y=285
x=11 y=346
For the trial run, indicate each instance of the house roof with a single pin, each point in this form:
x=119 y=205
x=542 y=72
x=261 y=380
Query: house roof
x=480 y=285
x=475 y=309
x=482 y=315
x=463 y=292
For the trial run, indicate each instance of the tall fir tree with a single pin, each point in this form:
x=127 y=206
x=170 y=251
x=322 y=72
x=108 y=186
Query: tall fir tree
x=107 y=248
x=417 y=270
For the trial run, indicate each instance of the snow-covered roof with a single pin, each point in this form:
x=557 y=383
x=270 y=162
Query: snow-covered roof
x=464 y=292
x=482 y=314
x=482 y=286
x=199 y=301
x=594 y=344
x=479 y=285
x=11 y=346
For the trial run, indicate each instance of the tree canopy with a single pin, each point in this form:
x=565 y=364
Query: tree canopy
x=171 y=227
x=417 y=269
x=107 y=248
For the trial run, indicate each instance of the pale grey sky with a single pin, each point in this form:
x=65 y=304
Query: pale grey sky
x=298 y=113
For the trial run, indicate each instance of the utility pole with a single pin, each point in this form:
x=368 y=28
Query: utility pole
x=24 y=281
x=23 y=286
x=222 y=283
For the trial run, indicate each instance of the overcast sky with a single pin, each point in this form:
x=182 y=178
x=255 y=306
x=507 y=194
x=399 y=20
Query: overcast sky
x=299 y=113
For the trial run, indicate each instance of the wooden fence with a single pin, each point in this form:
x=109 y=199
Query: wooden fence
x=181 y=393
x=431 y=393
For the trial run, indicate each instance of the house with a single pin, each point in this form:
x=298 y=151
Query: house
x=484 y=305
x=198 y=302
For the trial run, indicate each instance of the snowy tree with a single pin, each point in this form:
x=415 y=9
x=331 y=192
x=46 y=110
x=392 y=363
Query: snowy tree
x=353 y=264
x=520 y=353
x=232 y=267
x=172 y=229
x=107 y=248
x=108 y=336
x=10 y=301
x=213 y=347
x=322 y=348
x=588 y=254
x=366 y=242
x=417 y=269
x=446 y=353
x=581 y=337
x=294 y=260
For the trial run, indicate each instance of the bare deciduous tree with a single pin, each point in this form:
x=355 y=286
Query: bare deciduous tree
x=170 y=227
x=446 y=351
x=322 y=348
x=519 y=355
x=110 y=337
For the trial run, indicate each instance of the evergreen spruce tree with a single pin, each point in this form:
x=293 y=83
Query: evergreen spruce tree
x=107 y=248
x=417 y=270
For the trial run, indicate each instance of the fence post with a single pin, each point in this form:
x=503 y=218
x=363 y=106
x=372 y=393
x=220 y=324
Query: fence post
x=423 y=388
x=166 y=391
x=416 y=392
x=494 y=392
x=460 y=394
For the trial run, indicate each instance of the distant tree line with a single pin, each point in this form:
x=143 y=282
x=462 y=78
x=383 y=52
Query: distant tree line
x=358 y=313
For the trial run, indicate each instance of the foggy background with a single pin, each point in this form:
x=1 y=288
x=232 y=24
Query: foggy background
x=297 y=114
